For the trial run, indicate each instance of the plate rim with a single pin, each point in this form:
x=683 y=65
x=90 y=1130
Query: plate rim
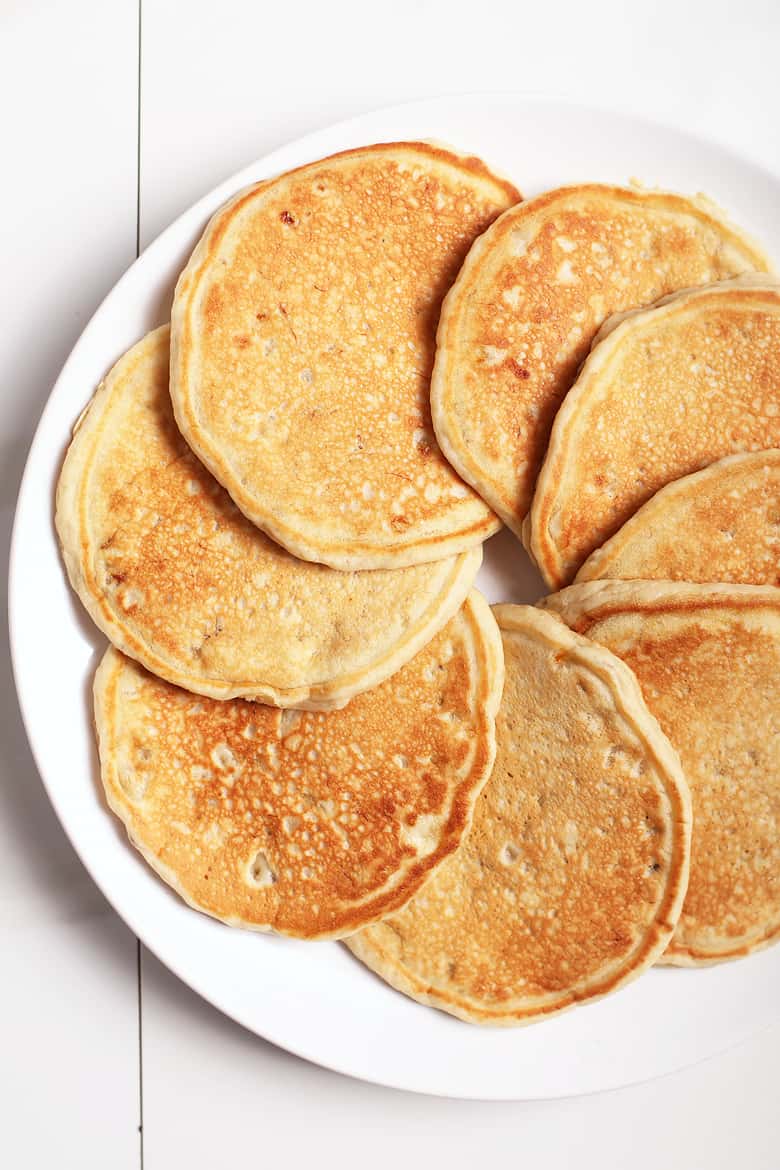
x=308 y=144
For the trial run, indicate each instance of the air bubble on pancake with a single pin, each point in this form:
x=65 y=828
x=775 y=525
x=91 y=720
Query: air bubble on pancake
x=509 y=854
x=565 y=244
x=214 y=836
x=651 y=827
x=133 y=783
x=565 y=273
x=493 y=355
x=223 y=758
x=131 y=597
x=518 y=242
x=260 y=872
x=569 y=837
x=290 y=824
x=530 y=898
x=593 y=722
x=422 y=835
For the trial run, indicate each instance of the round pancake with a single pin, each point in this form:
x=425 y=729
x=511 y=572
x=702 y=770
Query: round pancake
x=303 y=335
x=665 y=392
x=532 y=293
x=719 y=524
x=179 y=579
x=310 y=824
x=708 y=660
x=571 y=878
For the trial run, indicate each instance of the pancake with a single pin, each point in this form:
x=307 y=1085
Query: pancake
x=719 y=524
x=179 y=579
x=570 y=880
x=303 y=335
x=523 y=312
x=708 y=660
x=309 y=824
x=665 y=392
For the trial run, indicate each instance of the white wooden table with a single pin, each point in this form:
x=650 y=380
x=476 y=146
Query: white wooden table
x=108 y=135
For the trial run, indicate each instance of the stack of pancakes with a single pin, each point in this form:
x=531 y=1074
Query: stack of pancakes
x=308 y=719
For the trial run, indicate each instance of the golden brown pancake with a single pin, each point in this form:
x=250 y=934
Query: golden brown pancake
x=570 y=880
x=719 y=524
x=665 y=392
x=179 y=579
x=708 y=660
x=310 y=824
x=523 y=312
x=303 y=335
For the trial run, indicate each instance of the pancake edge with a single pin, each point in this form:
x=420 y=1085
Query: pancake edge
x=448 y=432
x=78 y=552
x=624 y=689
x=598 y=565
x=489 y=685
x=556 y=468
x=345 y=556
x=580 y=605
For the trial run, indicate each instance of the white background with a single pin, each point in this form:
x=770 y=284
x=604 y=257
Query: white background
x=85 y=1058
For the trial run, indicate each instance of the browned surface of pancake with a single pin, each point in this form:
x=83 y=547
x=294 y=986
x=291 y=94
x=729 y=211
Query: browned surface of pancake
x=303 y=336
x=310 y=824
x=667 y=391
x=530 y=297
x=571 y=879
x=719 y=524
x=708 y=660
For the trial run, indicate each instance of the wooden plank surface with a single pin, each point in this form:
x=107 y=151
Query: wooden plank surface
x=69 y=1076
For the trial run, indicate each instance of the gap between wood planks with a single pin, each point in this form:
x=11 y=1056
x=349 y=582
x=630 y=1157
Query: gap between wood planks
x=138 y=945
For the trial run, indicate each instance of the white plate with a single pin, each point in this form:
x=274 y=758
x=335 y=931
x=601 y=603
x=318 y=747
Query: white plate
x=314 y=998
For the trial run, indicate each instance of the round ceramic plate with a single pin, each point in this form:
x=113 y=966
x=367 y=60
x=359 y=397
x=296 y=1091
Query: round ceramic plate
x=314 y=998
